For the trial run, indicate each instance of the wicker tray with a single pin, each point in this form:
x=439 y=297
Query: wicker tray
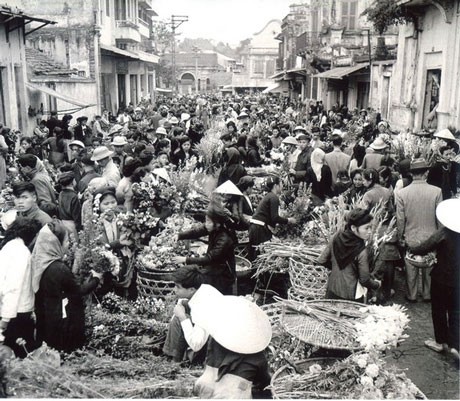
x=243 y=267
x=312 y=331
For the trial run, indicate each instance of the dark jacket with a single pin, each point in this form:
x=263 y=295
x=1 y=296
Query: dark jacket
x=447 y=245
x=219 y=261
x=253 y=158
x=57 y=283
x=303 y=162
x=267 y=211
x=233 y=170
x=444 y=176
x=322 y=188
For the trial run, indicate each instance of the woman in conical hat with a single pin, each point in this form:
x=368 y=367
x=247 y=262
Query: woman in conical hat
x=237 y=332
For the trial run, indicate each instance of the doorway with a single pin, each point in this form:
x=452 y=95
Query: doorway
x=432 y=91
x=121 y=91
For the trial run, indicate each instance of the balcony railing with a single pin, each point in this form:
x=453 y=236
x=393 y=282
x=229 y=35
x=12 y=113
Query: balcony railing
x=127 y=30
x=126 y=23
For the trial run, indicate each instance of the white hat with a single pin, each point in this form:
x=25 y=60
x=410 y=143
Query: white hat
x=161 y=172
x=445 y=134
x=228 y=187
x=378 y=144
x=173 y=120
x=243 y=115
x=119 y=141
x=448 y=214
x=77 y=143
x=184 y=117
x=161 y=130
x=8 y=218
x=300 y=128
x=234 y=322
x=290 y=140
x=101 y=152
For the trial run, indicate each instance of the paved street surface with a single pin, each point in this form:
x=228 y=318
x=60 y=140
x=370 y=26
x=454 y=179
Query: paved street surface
x=436 y=375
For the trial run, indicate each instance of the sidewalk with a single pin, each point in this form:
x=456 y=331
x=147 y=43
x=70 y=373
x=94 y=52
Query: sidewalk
x=435 y=374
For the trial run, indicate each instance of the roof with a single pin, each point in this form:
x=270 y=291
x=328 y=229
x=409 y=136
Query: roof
x=40 y=64
x=340 y=72
x=17 y=13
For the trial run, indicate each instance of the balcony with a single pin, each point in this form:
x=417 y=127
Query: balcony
x=127 y=31
x=144 y=28
x=145 y=3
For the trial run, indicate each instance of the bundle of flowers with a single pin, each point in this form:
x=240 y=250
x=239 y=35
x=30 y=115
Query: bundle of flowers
x=156 y=194
x=330 y=217
x=85 y=375
x=137 y=226
x=162 y=247
x=277 y=156
x=121 y=329
x=383 y=327
x=6 y=199
x=360 y=376
x=274 y=256
x=98 y=258
x=209 y=148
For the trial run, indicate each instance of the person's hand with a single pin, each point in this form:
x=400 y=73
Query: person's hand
x=179 y=259
x=292 y=220
x=125 y=241
x=179 y=311
x=291 y=171
x=379 y=282
x=97 y=275
x=3 y=325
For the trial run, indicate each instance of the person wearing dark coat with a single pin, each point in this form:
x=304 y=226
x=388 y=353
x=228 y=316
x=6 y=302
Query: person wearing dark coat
x=253 y=158
x=443 y=173
x=82 y=132
x=184 y=154
x=218 y=264
x=266 y=217
x=319 y=176
x=445 y=277
x=347 y=258
x=59 y=305
x=304 y=159
x=233 y=169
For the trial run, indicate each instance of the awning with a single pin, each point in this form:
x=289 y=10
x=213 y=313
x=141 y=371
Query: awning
x=273 y=88
x=120 y=52
x=58 y=95
x=161 y=90
x=309 y=70
x=148 y=57
x=340 y=72
x=277 y=75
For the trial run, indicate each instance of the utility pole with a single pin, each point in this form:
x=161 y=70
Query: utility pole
x=196 y=51
x=176 y=21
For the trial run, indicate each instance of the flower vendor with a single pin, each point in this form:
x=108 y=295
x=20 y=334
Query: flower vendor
x=218 y=264
x=346 y=255
x=237 y=332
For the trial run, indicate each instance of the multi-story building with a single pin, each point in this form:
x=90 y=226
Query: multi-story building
x=424 y=87
x=106 y=45
x=258 y=60
x=14 y=104
x=331 y=52
x=202 y=71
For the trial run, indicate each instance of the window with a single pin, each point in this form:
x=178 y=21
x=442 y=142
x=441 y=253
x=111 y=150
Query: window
x=258 y=66
x=107 y=8
x=349 y=8
x=270 y=68
x=120 y=10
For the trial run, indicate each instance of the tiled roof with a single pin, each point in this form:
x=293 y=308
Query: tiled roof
x=40 y=64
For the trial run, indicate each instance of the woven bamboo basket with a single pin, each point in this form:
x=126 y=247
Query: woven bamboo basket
x=242 y=249
x=155 y=283
x=300 y=367
x=319 y=333
x=274 y=312
x=308 y=280
x=243 y=267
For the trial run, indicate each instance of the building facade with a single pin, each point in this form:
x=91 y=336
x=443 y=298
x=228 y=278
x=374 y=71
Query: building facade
x=13 y=77
x=106 y=44
x=258 y=60
x=425 y=89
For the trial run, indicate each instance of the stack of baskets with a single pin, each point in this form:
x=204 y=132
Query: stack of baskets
x=308 y=282
x=154 y=283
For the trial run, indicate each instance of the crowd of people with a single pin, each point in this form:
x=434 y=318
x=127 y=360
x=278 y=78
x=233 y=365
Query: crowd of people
x=62 y=175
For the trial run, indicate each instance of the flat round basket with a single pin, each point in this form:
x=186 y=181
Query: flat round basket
x=308 y=280
x=276 y=383
x=243 y=267
x=324 y=333
x=154 y=284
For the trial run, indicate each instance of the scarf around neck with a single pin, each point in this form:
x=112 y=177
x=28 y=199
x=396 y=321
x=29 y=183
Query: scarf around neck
x=346 y=246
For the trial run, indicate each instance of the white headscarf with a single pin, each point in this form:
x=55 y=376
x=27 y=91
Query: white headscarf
x=47 y=249
x=317 y=162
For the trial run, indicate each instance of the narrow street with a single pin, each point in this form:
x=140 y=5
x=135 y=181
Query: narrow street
x=436 y=375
